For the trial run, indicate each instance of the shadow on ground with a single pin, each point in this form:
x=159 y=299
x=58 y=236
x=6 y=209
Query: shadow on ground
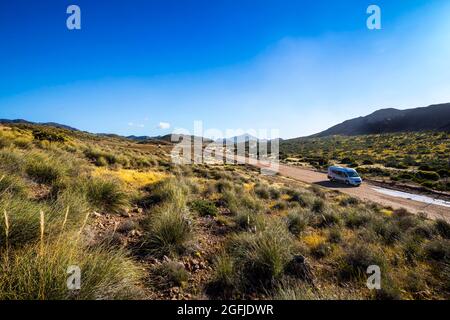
x=333 y=185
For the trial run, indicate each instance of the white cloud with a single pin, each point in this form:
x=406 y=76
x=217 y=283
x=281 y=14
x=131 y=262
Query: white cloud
x=164 y=125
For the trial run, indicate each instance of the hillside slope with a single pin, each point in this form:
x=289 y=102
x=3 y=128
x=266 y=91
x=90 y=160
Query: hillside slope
x=434 y=117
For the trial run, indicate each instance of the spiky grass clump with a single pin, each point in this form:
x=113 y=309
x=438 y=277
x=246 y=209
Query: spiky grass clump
x=169 y=231
x=169 y=274
x=443 y=228
x=34 y=273
x=297 y=221
x=261 y=257
x=356 y=259
x=13 y=185
x=204 y=208
x=168 y=191
x=23 y=221
x=105 y=195
x=43 y=170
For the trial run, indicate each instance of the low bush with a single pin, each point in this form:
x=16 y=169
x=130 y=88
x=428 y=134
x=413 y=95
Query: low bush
x=262 y=192
x=327 y=219
x=34 y=274
x=100 y=158
x=168 y=231
x=165 y=191
x=443 y=228
x=224 y=279
x=248 y=220
x=349 y=201
x=335 y=235
x=388 y=231
x=170 y=274
x=49 y=135
x=438 y=250
x=274 y=193
x=204 y=208
x=297 y=222
x=427 y=175
x=355 y=220
x=261 y=257
x=43 y=170
x=356 y=259
x=318 y=206
x=12 y=185
x=105 y=195
x=19 y=223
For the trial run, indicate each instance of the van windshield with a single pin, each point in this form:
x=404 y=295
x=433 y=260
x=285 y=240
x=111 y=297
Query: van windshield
x=352 y=174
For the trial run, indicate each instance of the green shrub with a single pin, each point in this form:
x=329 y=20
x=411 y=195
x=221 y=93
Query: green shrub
x=349 y=201
x=169 y=230
x=48 y=135
x=261 y=257
x=262 y=192
x=248 y=220
x=224 y=279
x=100 y=158
x=427 y=175
x=355 y=261
x=412 y=248
x=327 y=219
x=438 y=250
x=274 y=193
x=423 y=230
x=355 y=220
x=167 y=191
x=405 y=221
x=30 y=274
x=224 y=185
x=11 y=162
x=231 y=201
x=43 y=170
x=105 y=195
x=334 y=235
x=318 y=206
x=23 y=220
x=297 y=222
x=443 y=228
x=279 y=205
x=204 y=208
x=321 y=250
x=12 y=185
x=389 y=232
x=171 y=273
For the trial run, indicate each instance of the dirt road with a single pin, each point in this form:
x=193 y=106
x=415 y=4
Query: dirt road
x=364 y=192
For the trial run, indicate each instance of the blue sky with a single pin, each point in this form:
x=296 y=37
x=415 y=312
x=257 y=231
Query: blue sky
x=295 y=66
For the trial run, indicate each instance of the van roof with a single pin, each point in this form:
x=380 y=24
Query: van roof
x=341 y=168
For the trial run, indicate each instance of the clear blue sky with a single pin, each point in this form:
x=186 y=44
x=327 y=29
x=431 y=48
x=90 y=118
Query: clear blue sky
x=296 y=66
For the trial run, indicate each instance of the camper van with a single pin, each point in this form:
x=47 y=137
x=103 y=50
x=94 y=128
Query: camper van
x=344 y=175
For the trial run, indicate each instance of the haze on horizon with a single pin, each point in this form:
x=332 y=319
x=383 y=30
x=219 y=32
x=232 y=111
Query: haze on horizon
x=147 y=68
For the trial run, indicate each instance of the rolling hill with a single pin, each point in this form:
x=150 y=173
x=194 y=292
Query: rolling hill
x=431 y=118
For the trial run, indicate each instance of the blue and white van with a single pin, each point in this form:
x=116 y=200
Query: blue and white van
x=345 y=175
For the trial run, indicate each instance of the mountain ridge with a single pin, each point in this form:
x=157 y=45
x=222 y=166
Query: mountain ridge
x=390 y=120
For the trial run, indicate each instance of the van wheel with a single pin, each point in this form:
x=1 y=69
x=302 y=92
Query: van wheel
x=347 y=183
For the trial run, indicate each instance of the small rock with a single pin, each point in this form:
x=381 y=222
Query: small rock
x=98 y=215
x=126 y=213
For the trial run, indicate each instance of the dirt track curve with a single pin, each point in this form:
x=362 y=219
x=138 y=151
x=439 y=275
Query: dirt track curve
x=364 y=192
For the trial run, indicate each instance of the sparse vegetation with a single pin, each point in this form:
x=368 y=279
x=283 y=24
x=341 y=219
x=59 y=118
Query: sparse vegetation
x=141 y=227
x=419 y=158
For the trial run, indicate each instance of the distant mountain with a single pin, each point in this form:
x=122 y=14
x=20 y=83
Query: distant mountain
x=238 y=139
x=433 y=118
x=139 y=138
x=48 y=124
x=165 y=139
